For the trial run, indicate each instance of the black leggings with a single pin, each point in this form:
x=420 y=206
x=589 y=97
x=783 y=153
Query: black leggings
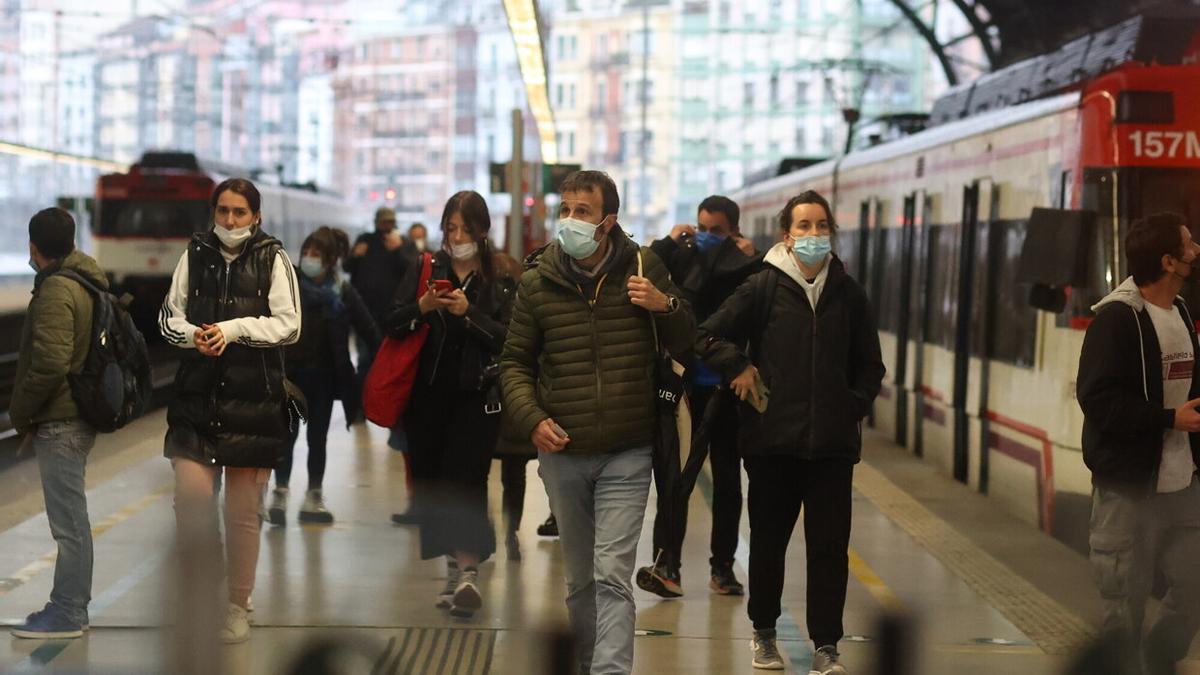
x=512 y=478
x=318 y=387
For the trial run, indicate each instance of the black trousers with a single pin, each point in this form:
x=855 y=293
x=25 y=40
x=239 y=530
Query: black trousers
x=513 y=480
x=726 y=466
x=451 y=440
x=779 y=486
x=318 y=386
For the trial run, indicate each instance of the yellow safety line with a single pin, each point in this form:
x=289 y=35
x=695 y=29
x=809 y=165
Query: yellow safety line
x=46 y=560
x=1052 y=627
x=874 y=585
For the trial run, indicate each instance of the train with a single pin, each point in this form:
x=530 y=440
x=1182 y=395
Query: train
x=984 y=239
x=143 y=218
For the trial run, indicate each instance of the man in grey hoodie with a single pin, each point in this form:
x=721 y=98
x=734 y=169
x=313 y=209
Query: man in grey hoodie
x=1138 y=388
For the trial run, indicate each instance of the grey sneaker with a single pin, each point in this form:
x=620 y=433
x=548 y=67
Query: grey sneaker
x=466 y=600
x=825 y=662
x=445 y=599
x=313 y=510
x=766 y=654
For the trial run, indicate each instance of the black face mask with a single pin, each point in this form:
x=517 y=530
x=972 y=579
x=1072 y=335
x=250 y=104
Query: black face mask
x=1191 y=267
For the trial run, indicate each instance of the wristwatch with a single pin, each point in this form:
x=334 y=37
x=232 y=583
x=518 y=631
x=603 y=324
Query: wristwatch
x=672 y=304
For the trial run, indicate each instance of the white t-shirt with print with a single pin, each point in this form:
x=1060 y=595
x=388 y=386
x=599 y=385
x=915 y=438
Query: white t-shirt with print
x=1175 y=342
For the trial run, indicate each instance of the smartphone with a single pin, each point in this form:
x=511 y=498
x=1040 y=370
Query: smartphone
x=763 y=395
x=558 y=431
x=441 y=286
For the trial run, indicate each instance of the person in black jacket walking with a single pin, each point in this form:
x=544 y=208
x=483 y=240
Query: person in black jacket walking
x=708 y=261
x=319 y=364
x=814 y=352
x=453 y=418
x=1138 y=388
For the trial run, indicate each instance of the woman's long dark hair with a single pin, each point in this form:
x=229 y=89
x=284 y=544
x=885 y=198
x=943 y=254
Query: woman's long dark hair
x=474 y=211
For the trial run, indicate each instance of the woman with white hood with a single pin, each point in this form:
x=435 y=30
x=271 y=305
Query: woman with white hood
x=810 y=376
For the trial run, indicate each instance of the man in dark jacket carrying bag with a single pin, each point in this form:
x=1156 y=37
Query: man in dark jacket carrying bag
x=811 y=376
x=1138 y=388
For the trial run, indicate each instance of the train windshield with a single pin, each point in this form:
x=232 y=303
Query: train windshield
x=147 y=218
x=1133 y=193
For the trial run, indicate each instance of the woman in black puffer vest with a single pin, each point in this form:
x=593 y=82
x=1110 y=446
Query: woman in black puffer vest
x=233 y=305
x=320 y=363
x=453 y=419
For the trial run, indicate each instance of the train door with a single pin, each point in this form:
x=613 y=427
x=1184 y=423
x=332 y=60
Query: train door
x=909 y=307
x=862 y=255
x=974 y=325
x=923 y=313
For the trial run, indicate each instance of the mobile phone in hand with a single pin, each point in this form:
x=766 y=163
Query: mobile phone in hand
x=558 y=431
x=441 y=286
x=763 y=395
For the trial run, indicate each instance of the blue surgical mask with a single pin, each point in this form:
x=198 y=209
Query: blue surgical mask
x=312 y=266
x=707 y=240
x=33 y=265
x=577 y=237
x=812 y=250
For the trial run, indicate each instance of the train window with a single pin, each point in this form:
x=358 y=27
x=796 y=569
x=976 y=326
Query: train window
x=157 y=218
x=1014 y=343
x=890 y=241
x=845 y=244
x=1135 y=192
x=942 y=284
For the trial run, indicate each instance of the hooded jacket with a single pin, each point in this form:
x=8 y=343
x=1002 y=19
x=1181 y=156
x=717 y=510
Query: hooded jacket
x=587 y=361
x=55 y=339
x=821 y=365
x=1119 y=387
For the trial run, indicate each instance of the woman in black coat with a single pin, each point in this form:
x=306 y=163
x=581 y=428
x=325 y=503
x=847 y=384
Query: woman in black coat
x=810 y=377
x=453 y=418
x=319 y=364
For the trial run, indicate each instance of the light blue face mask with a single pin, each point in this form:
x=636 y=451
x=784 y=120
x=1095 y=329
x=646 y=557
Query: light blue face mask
x=312 y=267
x=813 y=249
x=577 y=237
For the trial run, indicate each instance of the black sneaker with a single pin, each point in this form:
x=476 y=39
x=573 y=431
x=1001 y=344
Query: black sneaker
x=406 y=518
x=723 y=580
x=548 y=528
x=513 y=546
x=660 y=581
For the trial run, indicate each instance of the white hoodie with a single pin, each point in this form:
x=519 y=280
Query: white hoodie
x=780 y=257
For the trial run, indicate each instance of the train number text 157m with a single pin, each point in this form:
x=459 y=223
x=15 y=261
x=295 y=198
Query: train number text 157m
x=1171 y=144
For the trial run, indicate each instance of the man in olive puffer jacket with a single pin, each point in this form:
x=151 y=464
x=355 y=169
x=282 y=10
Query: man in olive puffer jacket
x=54 y=342
x=578 y=379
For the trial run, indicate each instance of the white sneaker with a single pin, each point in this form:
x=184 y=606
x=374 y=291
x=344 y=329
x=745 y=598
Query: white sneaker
x=445 y=599
x=277 y=514
x=237 y=625
x=466 y=600
x=313 y=510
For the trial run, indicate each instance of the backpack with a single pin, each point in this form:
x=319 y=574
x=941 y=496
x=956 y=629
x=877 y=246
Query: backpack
x=114 y=386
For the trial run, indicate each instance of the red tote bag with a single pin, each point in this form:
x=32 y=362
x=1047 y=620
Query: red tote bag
x=389 y=383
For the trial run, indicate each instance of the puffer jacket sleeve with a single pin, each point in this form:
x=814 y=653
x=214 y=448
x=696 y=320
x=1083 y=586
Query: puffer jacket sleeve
x=676 y=329
x=718 y=337
x=52 y=313
x=519 y=364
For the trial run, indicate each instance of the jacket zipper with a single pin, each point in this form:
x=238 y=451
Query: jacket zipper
x=596 y=355
x=812 y=386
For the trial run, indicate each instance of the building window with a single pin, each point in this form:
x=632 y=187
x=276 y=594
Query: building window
x=801 y=92
x=571 y=90
x=570 y=143
x=774 y=89
x=748 y=94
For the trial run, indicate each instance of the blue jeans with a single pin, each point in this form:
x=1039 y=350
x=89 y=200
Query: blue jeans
x=600 y=503
x=62 y=448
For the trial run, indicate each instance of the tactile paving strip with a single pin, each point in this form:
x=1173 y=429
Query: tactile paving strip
x=1052 y=627
x=438 y=651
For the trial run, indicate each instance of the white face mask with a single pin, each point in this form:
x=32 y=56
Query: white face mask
x=419 y=244
x=464 y=251
x=234 y=238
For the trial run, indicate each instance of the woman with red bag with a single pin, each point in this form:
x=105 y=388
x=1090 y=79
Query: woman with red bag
x=453 y=416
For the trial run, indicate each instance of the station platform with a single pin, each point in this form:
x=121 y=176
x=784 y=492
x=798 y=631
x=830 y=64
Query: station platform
x=987 y=593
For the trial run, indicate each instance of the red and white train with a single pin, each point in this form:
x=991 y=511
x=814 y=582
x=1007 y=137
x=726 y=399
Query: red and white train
x=143 y=220
x=937 y=226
